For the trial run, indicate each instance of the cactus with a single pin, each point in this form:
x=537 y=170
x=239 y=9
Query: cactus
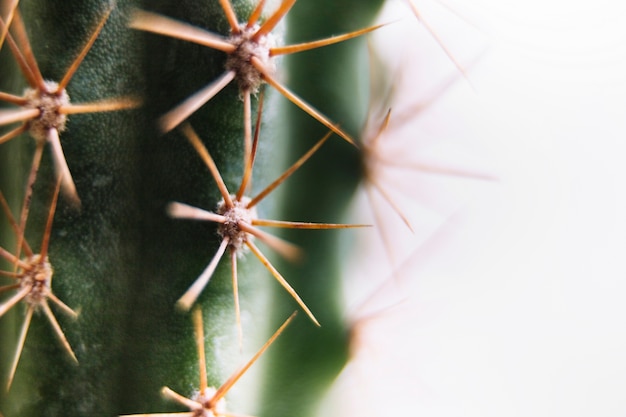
x=119 y=261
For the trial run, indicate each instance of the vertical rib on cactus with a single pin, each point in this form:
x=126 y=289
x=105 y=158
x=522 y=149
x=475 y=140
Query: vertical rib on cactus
x=91 y=250
x=300 y=371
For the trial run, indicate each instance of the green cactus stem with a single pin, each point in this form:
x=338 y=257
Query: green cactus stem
x=122 y=263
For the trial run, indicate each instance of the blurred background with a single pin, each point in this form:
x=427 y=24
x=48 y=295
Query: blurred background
x=508 y=297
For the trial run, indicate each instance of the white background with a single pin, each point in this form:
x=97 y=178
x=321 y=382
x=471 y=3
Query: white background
x=516 y=306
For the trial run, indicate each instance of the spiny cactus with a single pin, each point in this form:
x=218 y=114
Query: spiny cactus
x=119 y=261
